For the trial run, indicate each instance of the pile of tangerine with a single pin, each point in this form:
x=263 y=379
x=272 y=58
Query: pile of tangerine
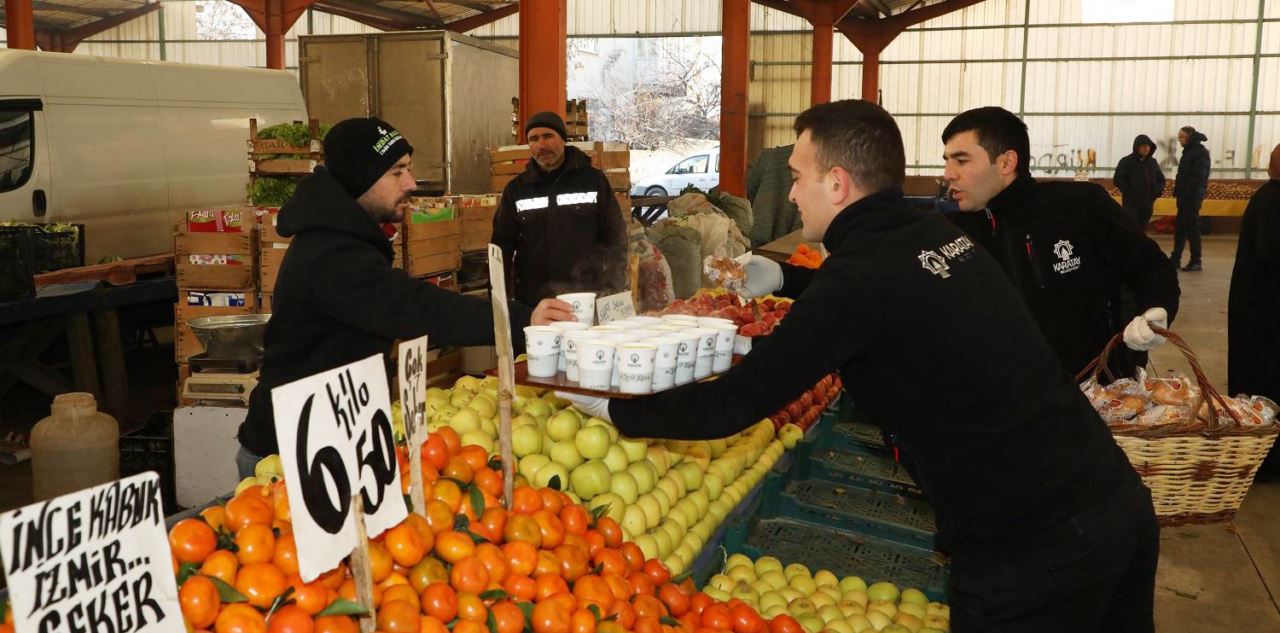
x=465 y=565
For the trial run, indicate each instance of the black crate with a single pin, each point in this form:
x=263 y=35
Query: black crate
x=150 y=448
x=16 y=283
x=55 y=250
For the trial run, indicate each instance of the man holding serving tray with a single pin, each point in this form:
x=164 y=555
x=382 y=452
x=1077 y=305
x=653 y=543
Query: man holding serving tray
x=1048 y=526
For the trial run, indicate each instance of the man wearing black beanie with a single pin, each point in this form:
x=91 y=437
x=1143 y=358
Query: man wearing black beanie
x=337 y=299
x=558 y=221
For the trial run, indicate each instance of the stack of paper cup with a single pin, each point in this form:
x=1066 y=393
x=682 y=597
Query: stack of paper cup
x=686 y=355
x=584 y=305
x=565 y=327
x=664 y=362
x=542 y=345
x=637 y=367
x=706 y=353
x=595 y=363
x=569 y=351
x=725 y=338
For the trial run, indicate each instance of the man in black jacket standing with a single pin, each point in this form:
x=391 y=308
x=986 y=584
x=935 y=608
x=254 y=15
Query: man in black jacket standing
x=1140 y=180
x=337 y=298
x=1253 y=307
x=1189 y=188
x=559 y=221
x=1049 y=527
x=1066 y=246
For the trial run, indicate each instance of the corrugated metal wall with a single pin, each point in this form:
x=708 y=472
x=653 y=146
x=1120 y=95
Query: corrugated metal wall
x=1087 y=86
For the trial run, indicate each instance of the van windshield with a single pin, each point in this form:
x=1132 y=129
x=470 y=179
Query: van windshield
x=15 y=148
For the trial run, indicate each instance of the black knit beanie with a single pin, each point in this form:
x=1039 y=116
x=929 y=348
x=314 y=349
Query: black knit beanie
x=549 y=120
x=359 y=151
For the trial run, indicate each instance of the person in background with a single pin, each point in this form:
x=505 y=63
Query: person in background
x=768 y=182
x=558 y=223
x=1189 y=188
x=337 y=298
x=1048 y=526
x=1253 y=305
x=1140 y=180
x=1066 y=246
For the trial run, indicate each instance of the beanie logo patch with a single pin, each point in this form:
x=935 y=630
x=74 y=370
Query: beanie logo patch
x=389 y=138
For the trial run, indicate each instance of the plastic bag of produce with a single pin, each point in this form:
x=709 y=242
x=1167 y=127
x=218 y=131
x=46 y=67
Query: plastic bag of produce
x=738 y=209
x=655 y=289
x=681 y=247
x=720 y=236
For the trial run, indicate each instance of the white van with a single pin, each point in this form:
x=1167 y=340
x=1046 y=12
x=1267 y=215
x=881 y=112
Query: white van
x=700 y=169
x=122 y=146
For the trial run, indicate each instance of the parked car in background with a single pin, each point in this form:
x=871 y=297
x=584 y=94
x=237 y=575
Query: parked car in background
x=700 y=169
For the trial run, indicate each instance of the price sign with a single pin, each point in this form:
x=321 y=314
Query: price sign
x=335 y=436
x=94 y=560
x=615 y=307
x=412 y=374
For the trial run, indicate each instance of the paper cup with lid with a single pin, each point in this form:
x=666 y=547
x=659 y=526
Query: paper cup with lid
x=584 y=305
x=542 y=348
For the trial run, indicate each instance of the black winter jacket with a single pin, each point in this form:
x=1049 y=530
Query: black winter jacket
x=1253 y=307
x=1067 y=247
x=1193 y=170
x=563 y=229
x=1139 y=178
x=931 y=340
x=338 y=300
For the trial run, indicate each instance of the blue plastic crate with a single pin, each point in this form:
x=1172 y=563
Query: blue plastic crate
x=905 y=520
x=862 y=468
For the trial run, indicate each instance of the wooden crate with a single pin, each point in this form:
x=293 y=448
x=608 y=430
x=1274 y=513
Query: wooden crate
x=420 y=265
x=184 y=372
x=267 y=231
x=432 y=230
x=269 y=260
x=230 y=276
x=511 y=159
x=185 y=343
x=432 y=247
x=477 y=227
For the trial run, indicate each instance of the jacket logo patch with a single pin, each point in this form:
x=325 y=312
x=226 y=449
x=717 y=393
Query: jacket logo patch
x=1063 y=250
x=529 y=204
x=576 y=198
x=937 y=261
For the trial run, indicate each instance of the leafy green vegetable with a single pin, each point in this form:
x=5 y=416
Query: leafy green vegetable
x=271 y=192
x=295 y=134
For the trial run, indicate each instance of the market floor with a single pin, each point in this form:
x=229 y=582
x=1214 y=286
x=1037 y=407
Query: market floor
x=1219 y=577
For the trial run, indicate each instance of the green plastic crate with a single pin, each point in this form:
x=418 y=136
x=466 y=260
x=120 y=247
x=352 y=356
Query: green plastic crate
x=905 y=520
x=862 y=468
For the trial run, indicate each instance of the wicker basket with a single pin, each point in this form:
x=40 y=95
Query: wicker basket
x=1199 y=470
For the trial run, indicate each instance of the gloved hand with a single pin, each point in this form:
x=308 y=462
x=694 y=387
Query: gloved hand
x=590 y=405
x=1138 y=335
x=764 y=276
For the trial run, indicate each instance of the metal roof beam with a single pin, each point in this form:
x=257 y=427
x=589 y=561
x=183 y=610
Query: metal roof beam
x=66 y=40
x=481 y=19
x=40 y=5
x=378 y=16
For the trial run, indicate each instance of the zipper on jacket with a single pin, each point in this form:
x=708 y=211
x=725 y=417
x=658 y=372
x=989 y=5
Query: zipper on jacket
x=992 y=219
x=1033 y=261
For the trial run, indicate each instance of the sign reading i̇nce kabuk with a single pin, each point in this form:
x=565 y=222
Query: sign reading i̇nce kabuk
x=94 y=561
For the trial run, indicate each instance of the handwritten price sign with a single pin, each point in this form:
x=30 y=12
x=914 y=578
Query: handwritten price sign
x=334 y=430
x=92 y=561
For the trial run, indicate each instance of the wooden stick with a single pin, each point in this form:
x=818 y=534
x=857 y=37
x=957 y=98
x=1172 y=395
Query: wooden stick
x=361 y=568
x=417 y=435
x=506 y=368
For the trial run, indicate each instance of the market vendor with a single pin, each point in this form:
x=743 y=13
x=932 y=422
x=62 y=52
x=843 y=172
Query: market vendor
x=558 y=222
x=1068 y=247
x=1048 y=526
x=337 y=298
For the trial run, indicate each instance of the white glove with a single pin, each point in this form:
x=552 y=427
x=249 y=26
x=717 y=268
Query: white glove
x=764 y=276
x=1138 y=335
x=590 y=405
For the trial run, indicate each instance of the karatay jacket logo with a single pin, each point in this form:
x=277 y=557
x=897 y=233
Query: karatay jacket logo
x=1064 y=250
x=934 y=263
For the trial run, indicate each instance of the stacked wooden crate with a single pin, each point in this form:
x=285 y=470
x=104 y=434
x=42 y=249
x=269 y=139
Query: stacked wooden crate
x=613 y=158
x=477 y=220
x=432 y=234
x=276 y=158
x=575 y=120
x=216 y=254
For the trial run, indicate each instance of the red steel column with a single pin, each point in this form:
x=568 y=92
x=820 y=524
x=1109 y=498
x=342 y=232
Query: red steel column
x=543 y=42
x=736 y=25
x=275 y=34
x=20 y=24
x=820 y=86
x=870 y=76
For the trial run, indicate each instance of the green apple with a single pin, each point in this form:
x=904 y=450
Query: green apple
x=790 y=435
x=852 y=583
x=912 y=608
x=717 y=594
x=714 y=485
x=878 y=620
x=675 y=531
x=819 y=599
x=652 y=511
x=719 y=509
x=616 y=459
x=745 y=593
x=470 y=383
x=624 y=486
x=811 y=623
x=660 y=458
x=839 y=626
x=742 y=573
x=461 y=398
x=789 y=594
x=526 y=440
x=825 y=577
x=937 y=622
x=479 y=438
x=435 y=402
x=773 y=577
x=553 y=475
x=663 y=541
x=770 y=599
x=796 y=569
x=465 y=420
x=911 y=594
x=883 y=606
x=613 y=504
x=883 y=592
x=484 y=406
x=529 y=465
x=604 y=424
x=937 y=608
x=700 y=501
x=664 y=502
x=644 y=476
x=590 y=479
x=722 y=582
x=563 y=426
x=860 y=623
x=850 y=608
x=635 y=449
x=857 y=596
x=566 y=454
x=648 y=546
x=634 y=520
x=895 y=628
x=669 y=488
x=537 y=408
x=802 y=606
x=830 y=591
x=489 y=427
x=593 y=441
x=524 y=419
x=830 y=613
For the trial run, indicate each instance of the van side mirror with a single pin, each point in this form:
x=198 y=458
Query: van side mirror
x=39 y=203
